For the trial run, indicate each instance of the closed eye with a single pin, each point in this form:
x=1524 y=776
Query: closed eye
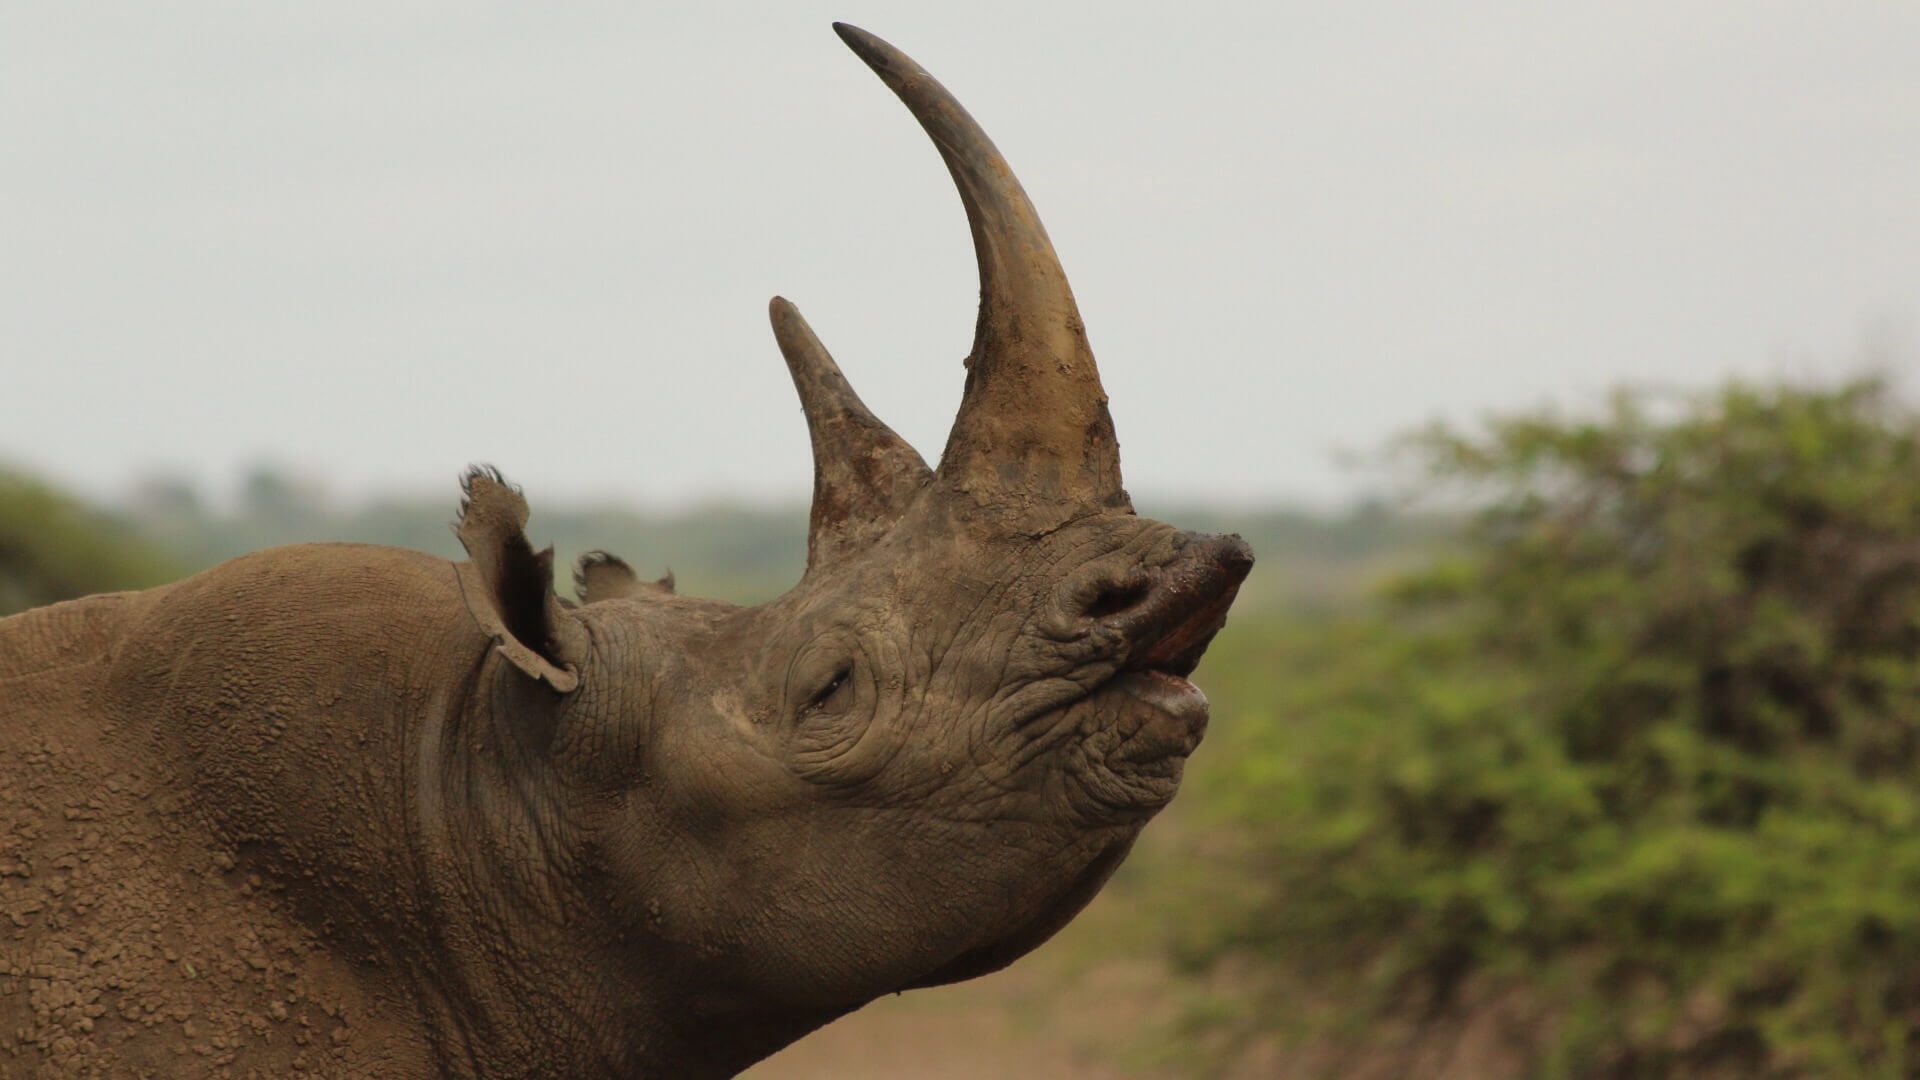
x=832 y=687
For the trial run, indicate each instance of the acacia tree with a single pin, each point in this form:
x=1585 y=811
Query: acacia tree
x=1639 y=761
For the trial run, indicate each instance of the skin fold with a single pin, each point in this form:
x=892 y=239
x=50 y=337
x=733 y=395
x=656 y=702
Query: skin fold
x=347 y=810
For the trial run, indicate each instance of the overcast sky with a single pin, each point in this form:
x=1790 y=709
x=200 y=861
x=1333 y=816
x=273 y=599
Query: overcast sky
x=378 y=241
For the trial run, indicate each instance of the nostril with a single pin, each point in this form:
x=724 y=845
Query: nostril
x=1116 y=598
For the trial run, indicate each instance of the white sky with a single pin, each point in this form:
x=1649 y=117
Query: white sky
x=378 y=241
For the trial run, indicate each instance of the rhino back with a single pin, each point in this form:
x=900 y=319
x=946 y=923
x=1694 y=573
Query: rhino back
x=289 y=684
x=152 y=742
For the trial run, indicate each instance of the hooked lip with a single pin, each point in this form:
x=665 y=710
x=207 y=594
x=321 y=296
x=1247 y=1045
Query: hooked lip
x=1166 y=633
x=1156 y=717
x=1186 y=606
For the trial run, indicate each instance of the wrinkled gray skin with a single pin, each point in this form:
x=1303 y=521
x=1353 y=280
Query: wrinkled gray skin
x=652 y=835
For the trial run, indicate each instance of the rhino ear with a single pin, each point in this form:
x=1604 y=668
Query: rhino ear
x=600 y=575
x=509 y=588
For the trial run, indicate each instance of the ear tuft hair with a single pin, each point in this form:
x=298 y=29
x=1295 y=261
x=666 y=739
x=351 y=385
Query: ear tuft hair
x=483 y=479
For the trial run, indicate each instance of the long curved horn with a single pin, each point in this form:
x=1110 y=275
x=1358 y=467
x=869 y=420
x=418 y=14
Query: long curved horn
x=863 y=474
x=1033 y=423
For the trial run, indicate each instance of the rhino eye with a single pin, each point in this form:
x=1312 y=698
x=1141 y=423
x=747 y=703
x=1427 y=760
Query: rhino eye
x=831 y=689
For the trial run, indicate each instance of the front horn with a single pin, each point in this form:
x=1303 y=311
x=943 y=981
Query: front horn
x=1033 y=424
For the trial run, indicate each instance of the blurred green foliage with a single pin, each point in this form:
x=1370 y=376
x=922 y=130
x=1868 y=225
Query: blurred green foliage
x=53 y=548
x=1634 y=764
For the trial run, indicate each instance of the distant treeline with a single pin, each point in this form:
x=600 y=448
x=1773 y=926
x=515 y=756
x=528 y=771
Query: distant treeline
x=54 y=548
x=167 y=528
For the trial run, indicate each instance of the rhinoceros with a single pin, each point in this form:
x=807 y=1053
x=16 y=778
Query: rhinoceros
x=352 y=810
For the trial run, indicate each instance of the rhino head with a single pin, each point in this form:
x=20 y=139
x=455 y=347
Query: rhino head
x=925 y=758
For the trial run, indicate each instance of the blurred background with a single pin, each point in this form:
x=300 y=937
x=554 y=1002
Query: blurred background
x=1555 y=363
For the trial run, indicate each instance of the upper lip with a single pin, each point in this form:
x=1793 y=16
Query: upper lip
x=1186 y=606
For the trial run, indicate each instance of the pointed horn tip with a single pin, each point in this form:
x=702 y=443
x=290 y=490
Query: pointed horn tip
x=878 y=55
x=790 y=329
x=807 y=359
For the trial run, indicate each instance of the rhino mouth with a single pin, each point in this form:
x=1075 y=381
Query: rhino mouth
x=1191 y=608
x=1134 y=729
x=1185 y=605
x=1167 y=633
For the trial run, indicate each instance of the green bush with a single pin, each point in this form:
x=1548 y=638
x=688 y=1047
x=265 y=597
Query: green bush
x=53 y=548
x=1638 y=760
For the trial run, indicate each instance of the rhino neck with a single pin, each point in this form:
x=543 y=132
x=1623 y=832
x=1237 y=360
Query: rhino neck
x=514 y=961
x=497 y=960
x=517 y=960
